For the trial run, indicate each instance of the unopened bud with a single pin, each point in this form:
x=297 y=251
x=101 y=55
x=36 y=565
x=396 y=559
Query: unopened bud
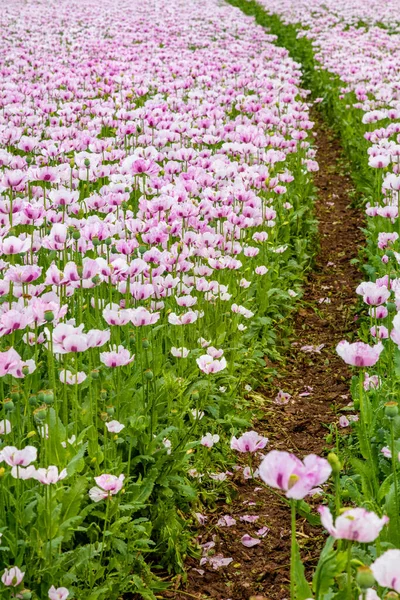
x=391 y=409
x=365 y=578
x=8 y=405
x=334 y=462
x=148 y=374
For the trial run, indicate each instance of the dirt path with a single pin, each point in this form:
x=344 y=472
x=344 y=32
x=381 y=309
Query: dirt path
x=318 y=384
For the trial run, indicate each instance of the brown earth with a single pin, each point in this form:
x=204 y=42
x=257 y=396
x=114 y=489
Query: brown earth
x=302 y=424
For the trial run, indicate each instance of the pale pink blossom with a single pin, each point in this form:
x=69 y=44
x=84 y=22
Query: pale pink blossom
x=107 y=485
x=250 y=441
x=297 y=478
x=72 y=378
x=117 y=357
x=356 y=524
x=209 y=440
x=115 y=427
x=50 y=475
x=12 y=577
x=60 y=593
x=18 y=458
x=386 y=570
x=209 y=365
x=359 y=354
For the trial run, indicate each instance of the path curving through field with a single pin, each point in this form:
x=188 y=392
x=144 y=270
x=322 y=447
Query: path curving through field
x=318 y=382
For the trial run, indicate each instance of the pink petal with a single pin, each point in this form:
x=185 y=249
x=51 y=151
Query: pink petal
x=249 y=541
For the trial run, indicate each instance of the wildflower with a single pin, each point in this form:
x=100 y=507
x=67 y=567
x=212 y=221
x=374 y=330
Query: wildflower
x=386 y=570
x=115 y=427
x=250 y=441
x=356 y=524
x=297 y=478
x=117 y=357
x=60 y=593
x=209 y=440
x=12 y=577
x=359 y=354
x=107 y=485
x=208 y=365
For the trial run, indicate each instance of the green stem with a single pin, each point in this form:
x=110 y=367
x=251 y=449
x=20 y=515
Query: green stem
x=394 y=468
x=349 y=580
x=293 y=551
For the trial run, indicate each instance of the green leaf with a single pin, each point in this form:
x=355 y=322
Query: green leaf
x=303 y=591
x=76 y=464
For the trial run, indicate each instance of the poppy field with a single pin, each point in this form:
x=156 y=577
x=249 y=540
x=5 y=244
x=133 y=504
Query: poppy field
x=159 y=226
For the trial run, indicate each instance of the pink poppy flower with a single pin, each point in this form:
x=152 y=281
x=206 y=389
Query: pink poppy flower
x=117 y=357
x=356 y=524
x=359 y=354
x=250 y=441
x=12 y=577
x=18 y=458
x=115 y=427
x=60 y=593
x=386 y=570
x=297 y=478
x=106 y=485
x=50 y=475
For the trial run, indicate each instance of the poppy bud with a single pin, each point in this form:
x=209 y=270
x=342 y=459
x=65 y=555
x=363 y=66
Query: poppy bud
x=40 y=413
x=8 y=405
x=48 y=397
x=365 y=578
x=15 y=395
x=335 y=463
x=391 y=409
